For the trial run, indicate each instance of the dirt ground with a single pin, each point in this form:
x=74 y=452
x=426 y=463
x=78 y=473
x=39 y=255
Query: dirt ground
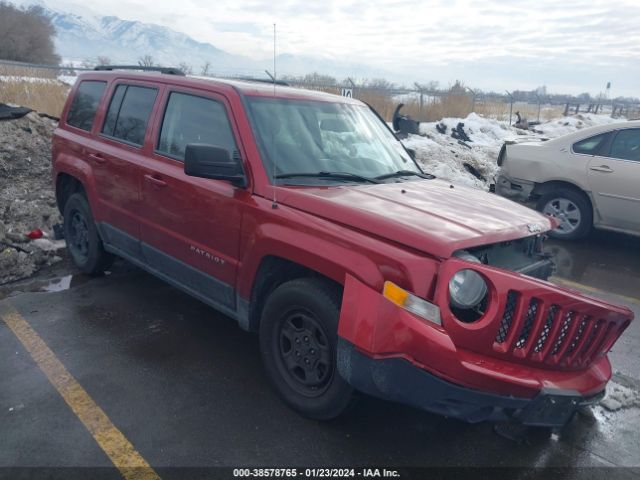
x=27 y=200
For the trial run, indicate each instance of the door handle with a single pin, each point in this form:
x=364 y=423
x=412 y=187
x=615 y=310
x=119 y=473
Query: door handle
x=96 y=157
x=155 y=181
x=602 y=168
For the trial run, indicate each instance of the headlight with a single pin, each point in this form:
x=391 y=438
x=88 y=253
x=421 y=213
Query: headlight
x=467 y=288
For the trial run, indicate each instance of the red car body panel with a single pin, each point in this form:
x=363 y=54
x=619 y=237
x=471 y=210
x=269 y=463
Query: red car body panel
x=358 y=236
x=432 y=216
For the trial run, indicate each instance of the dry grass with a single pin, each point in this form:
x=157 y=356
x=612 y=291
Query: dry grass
x=34 y=88
x=454 y=105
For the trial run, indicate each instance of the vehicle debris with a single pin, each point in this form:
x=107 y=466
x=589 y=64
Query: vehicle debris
x=459 y=134
x=404 y=124
x=12 y=112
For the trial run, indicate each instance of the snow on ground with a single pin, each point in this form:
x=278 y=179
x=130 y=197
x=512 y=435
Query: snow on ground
x=444 y=156
x=619 y=396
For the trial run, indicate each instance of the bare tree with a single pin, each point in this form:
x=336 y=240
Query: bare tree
x=205 y=68
x=26 y=35
x=379 y=84
x=102 y=60
x=186 y=68
x=319 y=79
x=146 y=61
x=69 y=69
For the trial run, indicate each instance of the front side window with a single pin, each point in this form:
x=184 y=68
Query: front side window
x=308 y=137
x=129 y=112
x=191 y=119
x=85 y=103
x=591 y=145
x=626 y=145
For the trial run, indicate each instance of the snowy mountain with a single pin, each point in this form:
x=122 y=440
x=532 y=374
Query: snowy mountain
x=84 y=35
x=124 y=41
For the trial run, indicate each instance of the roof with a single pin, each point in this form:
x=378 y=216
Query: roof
x=589 y=131
x=244 y=87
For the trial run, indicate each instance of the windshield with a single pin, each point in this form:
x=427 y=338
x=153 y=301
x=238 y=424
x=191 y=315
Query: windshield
x=308 y=137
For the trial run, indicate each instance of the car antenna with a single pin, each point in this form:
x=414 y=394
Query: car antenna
x=275 y=159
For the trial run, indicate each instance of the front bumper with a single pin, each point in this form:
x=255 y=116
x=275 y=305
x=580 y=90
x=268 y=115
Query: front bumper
x=398 y=380
x=514 y=189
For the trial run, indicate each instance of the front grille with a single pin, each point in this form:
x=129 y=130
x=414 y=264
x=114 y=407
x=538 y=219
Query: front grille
x=507 y=317
x=546 y=329
x=530 y=321
x=550 y=334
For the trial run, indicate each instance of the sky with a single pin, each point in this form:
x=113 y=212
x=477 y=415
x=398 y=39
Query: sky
x=571 y=46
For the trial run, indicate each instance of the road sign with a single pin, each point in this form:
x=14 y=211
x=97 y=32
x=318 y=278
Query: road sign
x=347 y=92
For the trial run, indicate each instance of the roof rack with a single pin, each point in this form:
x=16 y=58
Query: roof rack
x=263 y=80
x=167 y=70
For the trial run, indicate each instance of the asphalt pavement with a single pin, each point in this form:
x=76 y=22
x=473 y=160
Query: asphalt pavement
x=124 y=366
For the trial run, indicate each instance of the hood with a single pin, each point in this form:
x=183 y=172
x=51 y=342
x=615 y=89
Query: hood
x=428 y=215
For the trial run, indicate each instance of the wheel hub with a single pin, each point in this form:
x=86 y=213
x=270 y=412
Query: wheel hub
x=305 y=354
x=79 y=240
x=566 y=211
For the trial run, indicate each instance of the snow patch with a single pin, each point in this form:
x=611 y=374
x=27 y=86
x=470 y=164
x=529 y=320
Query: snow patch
x=619 y=397
x=445 y=157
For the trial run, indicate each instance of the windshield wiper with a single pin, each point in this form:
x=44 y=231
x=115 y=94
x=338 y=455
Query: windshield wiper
x=337 y=175
x=404 y=173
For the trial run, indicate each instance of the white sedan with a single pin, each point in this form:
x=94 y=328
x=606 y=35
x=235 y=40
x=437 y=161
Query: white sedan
x=590 y=178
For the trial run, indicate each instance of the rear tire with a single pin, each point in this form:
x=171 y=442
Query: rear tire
x=572 y=208
x=81 y=235
x=298 y=345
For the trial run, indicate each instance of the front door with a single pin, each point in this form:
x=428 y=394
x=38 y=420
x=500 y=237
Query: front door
x=191 y=226
x=614 y=177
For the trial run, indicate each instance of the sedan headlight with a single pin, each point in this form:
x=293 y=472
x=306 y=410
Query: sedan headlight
x=467 y=288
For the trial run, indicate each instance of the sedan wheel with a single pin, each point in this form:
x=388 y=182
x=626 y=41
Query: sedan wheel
x=572 y=209
x=567 y=212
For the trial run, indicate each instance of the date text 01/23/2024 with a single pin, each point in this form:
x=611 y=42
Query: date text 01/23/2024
x=316 y=473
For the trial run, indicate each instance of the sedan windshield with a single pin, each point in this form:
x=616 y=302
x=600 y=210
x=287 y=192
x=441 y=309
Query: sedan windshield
x=325 y=142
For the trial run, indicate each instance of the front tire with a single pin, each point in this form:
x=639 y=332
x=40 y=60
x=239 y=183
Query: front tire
x=573 y=210
x=298 y=345
x=81 y=234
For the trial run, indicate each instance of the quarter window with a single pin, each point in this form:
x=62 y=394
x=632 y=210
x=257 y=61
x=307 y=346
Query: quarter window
x=83 y=108
x=192 y=119
x=591 y=145
x=129 y=112
x=626 y=145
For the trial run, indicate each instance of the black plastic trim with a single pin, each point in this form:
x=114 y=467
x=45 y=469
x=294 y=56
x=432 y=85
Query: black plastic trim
x=219 y=295
x=166 y=70
x=398 y=380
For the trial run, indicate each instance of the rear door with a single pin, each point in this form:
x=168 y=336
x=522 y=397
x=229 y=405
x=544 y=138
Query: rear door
x=191 y=226
x=116 y=159
x=614 y=176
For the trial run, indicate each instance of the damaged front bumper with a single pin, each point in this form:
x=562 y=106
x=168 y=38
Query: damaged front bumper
x=537 y=354
x=513 y=189
x=396 y=379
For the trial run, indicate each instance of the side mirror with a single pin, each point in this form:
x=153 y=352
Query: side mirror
x=411 y=152
x=209 y=161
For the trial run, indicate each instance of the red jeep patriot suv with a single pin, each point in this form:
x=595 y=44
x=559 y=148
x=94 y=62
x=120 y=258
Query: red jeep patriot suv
x=300 y=215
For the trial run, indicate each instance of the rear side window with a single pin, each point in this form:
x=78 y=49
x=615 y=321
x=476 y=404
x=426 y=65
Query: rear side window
x=626 y=145
x=591 y=145
x=129 y=112
x=85 y=103
x=192 y=119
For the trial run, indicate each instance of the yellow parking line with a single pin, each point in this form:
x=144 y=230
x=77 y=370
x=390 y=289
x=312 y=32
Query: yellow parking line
x=580 y=286
x=119 y=450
